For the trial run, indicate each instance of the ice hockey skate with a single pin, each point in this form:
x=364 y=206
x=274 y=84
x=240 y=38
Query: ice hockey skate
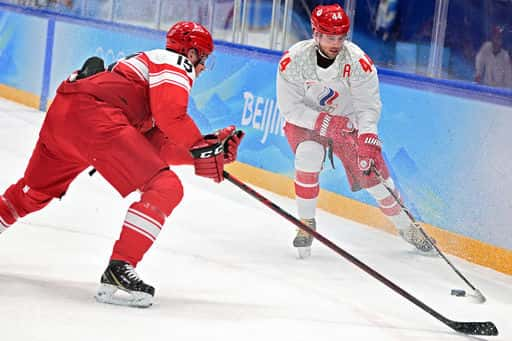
x=303 y=240
x=120 y=285
x=413 y=236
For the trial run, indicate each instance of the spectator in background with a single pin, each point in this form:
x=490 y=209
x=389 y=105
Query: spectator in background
x=64 y=6
x=385 y=18
x=492 y=62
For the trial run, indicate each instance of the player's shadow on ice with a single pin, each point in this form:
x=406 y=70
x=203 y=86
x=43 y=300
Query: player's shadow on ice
x=39 y=289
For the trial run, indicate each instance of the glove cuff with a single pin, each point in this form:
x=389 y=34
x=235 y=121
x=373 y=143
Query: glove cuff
x=322 y=123
x=369 y=139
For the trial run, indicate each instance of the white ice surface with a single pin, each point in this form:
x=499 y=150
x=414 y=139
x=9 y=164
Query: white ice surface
x=223 y=268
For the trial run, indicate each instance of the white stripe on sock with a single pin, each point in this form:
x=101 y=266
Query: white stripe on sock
x=3 y=224
x=142 y=232
x=301 y=184
x=142 y=223
x=139 y=213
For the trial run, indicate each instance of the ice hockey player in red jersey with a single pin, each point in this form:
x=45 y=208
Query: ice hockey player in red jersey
x=130 y=123
x=328 y=91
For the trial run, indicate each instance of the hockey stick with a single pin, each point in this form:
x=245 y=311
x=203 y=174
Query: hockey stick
x=477 y=294
x=470 y=328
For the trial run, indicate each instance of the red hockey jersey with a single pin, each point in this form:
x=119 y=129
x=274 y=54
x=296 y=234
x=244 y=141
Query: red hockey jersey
x=152 y=88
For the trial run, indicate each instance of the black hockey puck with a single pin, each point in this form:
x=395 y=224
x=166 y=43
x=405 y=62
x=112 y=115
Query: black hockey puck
x=458 y=292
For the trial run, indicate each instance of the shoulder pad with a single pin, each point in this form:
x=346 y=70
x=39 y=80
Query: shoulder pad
x=362 y=64
x=297 y=59
x=354 y=51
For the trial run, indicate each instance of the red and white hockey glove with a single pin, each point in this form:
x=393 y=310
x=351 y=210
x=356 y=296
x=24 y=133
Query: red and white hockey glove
x=334 y=127
x=208 y=155
x=368 y=150
x=230 y=139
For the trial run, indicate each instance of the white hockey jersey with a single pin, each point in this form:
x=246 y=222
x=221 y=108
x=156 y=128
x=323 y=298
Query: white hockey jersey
x=348 y=87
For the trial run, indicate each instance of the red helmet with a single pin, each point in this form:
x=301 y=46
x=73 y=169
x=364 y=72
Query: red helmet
x=330 y=19
x=186 y=35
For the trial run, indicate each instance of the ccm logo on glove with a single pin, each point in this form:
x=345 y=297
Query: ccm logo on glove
x=209 y=152
x=214 y=150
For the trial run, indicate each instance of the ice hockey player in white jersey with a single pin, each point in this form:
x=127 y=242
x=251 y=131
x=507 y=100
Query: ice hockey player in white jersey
x=328 y=91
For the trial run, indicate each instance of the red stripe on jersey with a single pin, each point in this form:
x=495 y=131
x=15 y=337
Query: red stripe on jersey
x=138 y=65
x=175 y=72
x=158 y=69
x=168 y=81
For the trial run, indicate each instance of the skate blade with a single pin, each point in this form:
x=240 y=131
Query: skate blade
x=111 y=294
x=304 y=252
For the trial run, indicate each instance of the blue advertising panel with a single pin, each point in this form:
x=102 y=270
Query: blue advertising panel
x=449 y=155
x=22 y=51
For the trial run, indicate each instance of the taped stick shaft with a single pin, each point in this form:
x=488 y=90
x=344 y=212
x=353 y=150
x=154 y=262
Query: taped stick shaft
x=470 y=328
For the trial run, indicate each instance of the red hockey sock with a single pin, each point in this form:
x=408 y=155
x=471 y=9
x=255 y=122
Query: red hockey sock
x=145 y=218
x=141 y=226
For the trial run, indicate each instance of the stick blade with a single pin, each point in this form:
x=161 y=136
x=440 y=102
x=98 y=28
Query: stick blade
x=474 y=328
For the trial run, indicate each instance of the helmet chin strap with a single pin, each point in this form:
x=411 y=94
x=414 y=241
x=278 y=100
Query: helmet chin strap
x=199 y=60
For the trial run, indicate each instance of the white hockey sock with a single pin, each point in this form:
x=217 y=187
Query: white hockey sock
x=307 y=189
x=388 y=205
